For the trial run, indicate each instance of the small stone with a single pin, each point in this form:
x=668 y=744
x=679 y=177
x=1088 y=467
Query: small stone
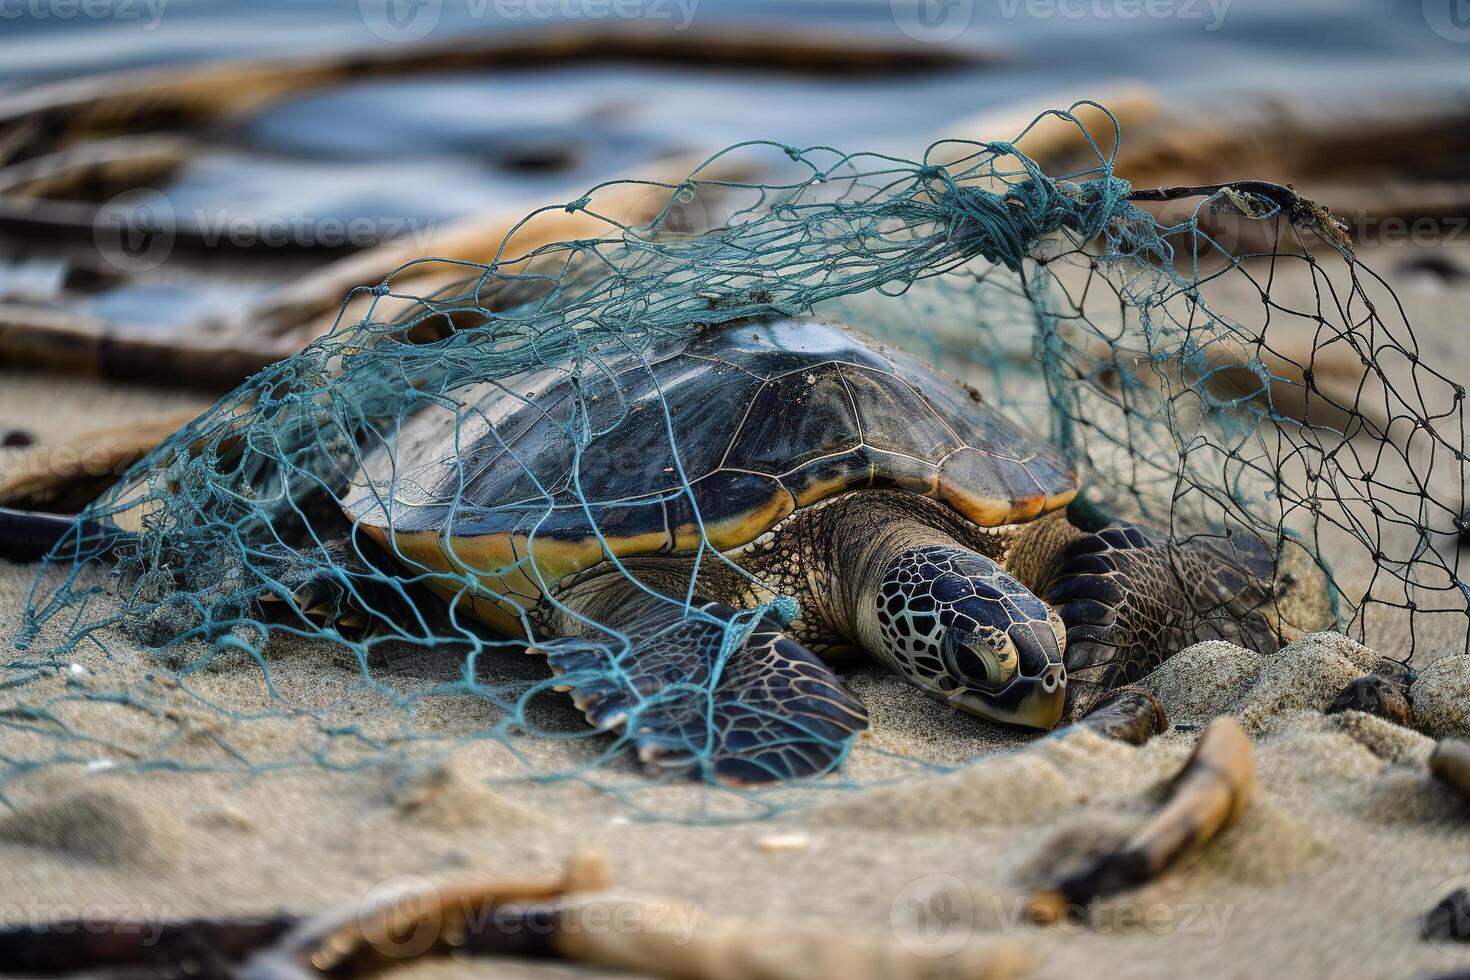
x=1374 y=695
x=1441 y=698
x=1450 y=761
x=783 y=843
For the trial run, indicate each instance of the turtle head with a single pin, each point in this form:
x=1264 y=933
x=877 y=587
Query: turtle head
x=957 y=626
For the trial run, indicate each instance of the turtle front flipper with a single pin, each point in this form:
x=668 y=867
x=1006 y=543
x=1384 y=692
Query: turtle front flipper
x=765 y=711
x=1131 y=597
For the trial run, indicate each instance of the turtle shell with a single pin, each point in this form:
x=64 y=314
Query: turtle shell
x=728 y=429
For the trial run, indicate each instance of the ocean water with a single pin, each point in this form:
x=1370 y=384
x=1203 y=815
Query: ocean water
x=420 y=150
x=1212 y=46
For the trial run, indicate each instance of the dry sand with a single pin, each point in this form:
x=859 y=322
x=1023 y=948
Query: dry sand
x=1346 y=843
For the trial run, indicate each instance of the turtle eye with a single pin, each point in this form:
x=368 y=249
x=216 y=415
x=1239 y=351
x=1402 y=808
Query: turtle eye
x=985 y=658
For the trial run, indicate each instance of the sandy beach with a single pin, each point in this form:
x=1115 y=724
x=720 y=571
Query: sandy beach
x=1347 y=841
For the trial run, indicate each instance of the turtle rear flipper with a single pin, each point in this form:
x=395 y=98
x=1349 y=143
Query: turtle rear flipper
x=767 y=711
x=1131 y=597
x=345 y=584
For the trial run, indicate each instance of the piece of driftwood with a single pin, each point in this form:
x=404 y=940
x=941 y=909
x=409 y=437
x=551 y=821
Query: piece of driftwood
x=73 y=171
x=137 y=100
x=572 y=918
x=388 y=928
x=657 y=940
x=309 y=306
x=1450 y=761
x=221 y=355
x=1207 y=795
x=576 y=920
x=1375 y=695
x=1050 y=139
x=64 y=477
x=1128 y=714
x=385 y=928
x=134 y=948
x=34 y=337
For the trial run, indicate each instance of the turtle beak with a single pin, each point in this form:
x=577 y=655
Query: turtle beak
x=1031 y=702
x=1036 y=696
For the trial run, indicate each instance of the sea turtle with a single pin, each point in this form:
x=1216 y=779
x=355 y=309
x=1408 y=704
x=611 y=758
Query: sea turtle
x=906 y=516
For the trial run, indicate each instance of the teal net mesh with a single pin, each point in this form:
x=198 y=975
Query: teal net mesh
x=1236 y=367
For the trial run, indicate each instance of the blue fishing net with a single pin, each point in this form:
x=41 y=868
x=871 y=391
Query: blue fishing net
x=1234 y=367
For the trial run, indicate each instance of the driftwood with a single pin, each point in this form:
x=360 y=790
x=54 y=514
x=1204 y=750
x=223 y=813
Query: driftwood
x=134 y=948
x=61 y=143
x=1451 y=763
x=65 y=342
x=64 y=477
x=1377 y=695
x=132 y=101
x=571 y=918
x=221 y=355
x=309 y=306
x=1128 y=714
x=1051 y=139
x=1207 y=795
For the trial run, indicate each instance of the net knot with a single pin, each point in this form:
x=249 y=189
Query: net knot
x=783 y=609
x=1005 y=228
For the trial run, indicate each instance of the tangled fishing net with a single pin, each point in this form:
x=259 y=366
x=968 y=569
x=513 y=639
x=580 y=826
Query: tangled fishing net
x=1236 y=367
